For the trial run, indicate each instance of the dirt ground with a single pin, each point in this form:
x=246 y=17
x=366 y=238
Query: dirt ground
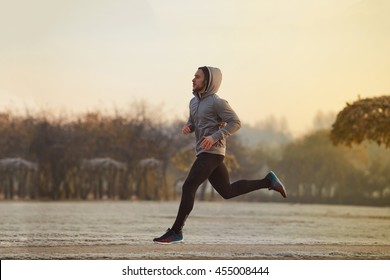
x=215 y=230
x=201 y=251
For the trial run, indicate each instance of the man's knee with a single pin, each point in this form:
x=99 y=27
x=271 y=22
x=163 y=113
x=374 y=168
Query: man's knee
x=226 y=195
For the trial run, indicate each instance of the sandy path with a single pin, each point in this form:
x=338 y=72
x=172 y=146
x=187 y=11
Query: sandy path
x=236 y=230
x=200 y=251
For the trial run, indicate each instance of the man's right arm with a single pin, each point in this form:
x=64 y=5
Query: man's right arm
x=188 y=127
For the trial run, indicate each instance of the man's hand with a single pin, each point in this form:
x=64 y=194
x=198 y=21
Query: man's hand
x=207 y=142
x=186 y=129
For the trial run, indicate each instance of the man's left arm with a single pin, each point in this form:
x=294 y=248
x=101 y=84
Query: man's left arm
x=229 y=116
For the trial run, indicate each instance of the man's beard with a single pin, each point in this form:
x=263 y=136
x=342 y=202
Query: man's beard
x=201 y=88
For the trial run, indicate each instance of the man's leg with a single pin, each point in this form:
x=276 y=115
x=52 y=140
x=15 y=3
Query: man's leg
x=219 y=179
x=200 y=171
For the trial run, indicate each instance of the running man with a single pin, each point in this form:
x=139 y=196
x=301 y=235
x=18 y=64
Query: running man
x=213 y=120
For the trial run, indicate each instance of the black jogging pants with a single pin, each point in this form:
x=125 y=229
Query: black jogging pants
x=211 y=167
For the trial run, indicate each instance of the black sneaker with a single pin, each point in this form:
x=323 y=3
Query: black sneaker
x=276 y=184
x=169 y=237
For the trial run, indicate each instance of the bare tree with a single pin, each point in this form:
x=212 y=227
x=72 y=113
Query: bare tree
x=18 y=178
x=102 y=176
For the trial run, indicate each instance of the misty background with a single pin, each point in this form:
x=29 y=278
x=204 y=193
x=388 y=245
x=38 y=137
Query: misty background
x=93 y=95
x=141 y=156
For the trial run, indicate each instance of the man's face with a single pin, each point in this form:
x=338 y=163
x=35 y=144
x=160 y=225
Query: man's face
x=198 y=82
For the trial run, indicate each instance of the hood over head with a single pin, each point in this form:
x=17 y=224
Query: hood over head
x=214 y=76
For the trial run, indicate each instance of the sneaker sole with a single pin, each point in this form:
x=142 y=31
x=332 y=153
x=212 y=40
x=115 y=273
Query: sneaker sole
x=168 y=243
x=281 y=190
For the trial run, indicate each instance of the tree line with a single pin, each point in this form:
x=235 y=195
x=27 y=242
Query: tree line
x=312 y=167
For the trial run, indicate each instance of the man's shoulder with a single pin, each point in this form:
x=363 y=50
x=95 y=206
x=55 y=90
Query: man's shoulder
x=217 y=98
x=220 y=102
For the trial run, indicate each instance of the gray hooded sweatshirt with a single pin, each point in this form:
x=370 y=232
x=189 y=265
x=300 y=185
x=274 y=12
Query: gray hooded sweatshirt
x=211 y=115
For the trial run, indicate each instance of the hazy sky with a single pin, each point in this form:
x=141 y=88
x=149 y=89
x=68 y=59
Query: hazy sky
x=289 y=59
